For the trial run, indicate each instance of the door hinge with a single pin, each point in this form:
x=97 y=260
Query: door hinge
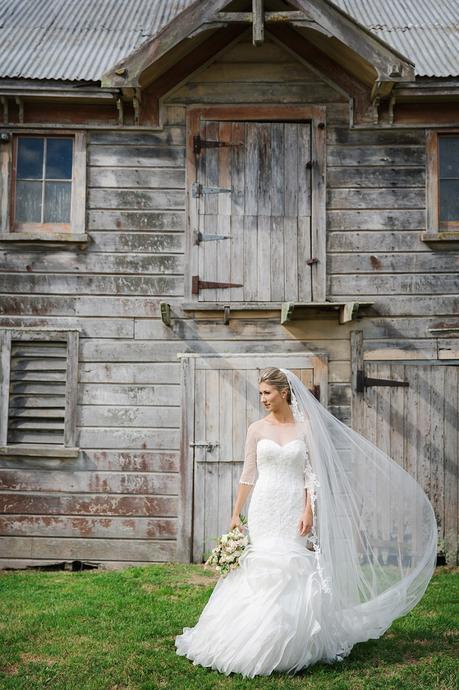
x=198 y=190
x=365 y=382
x=312 y=260
x=197 y=284
x=199 y=144
x=315 y=390
x=198 y=237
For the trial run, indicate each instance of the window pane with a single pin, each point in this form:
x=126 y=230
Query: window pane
x=449 y=200
x=30 y=157
x=449 y=156
x=28 y=202
x=59 y=159
x=57 y=202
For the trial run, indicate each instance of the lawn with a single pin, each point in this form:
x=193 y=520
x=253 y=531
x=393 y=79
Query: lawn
x=115 y=630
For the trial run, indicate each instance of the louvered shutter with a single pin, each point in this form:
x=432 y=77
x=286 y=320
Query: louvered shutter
x=36 y=411
x=38 y=401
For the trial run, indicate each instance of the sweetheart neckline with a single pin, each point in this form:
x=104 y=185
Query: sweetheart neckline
x=278 y=444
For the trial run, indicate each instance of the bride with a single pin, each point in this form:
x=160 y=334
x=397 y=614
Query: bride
x=342 y=541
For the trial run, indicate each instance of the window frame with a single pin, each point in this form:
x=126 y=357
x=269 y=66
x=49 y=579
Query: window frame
x=69 y=449
x=75 y=231
x=435 y=230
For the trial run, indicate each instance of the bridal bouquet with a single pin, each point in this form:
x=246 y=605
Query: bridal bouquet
x=230 y=546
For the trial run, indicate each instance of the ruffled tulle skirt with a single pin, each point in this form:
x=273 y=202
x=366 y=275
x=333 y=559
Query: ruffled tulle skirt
x=269 y=614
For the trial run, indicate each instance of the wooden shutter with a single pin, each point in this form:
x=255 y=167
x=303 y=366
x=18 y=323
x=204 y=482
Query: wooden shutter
x=38 y=402
x=36 y=412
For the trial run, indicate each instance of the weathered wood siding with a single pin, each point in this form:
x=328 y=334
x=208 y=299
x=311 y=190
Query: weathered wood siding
x=117 y=503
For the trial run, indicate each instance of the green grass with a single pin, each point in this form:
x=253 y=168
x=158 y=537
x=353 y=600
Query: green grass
x=115 y=630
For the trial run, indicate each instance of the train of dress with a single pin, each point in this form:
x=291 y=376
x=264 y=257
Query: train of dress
x=270 y=614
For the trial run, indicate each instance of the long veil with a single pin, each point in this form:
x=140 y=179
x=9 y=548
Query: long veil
x=374 y=530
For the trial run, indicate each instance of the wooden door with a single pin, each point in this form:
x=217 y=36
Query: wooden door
x=220 y=400
x=250 y=212
x=417 y=425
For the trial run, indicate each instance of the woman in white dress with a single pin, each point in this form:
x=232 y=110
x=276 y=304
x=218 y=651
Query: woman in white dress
x=296 y=599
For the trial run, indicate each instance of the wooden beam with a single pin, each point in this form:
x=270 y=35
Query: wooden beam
x=170 y=36
x=388 y=62
x=258 y=22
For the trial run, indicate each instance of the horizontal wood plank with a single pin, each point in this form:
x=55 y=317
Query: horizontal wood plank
x=136 y=156
x=69 y=262
x=81 y=548
x=136 y=178
x=169 y=221
x=103 y=504
x=47 y=481
x=120 y=461
x=89 y=527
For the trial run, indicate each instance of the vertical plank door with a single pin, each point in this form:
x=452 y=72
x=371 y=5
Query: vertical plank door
x=418 y=426
x=221 y=398
x=257 y=235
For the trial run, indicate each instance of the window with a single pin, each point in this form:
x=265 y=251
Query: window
x=448 y=180
x=442 y=196
x=43 y=192
x=38 y=392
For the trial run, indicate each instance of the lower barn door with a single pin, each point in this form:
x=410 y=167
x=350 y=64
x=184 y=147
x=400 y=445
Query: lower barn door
x=220 y=399
x=418 y=426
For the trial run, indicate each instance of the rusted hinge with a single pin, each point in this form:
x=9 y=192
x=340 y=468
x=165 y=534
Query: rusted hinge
x=312 y=260
x=199 y=144
x=365 y=382
x=198 y=189
x=199 y=237
x=197 y=285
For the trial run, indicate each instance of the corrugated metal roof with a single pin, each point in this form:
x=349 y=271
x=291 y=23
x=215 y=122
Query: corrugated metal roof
x=81 y=39
x=75 y=39
x=426 y=31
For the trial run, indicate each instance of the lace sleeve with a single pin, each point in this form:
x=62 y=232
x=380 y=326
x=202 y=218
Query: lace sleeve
x=249 y=470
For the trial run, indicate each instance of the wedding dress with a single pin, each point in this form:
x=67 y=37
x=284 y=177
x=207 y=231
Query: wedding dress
x=273 y=612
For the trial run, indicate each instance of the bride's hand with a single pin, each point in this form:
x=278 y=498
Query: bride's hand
x=305 y=523
x=235 y=522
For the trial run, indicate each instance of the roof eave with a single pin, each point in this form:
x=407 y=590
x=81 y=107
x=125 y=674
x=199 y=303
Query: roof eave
x=390 y=65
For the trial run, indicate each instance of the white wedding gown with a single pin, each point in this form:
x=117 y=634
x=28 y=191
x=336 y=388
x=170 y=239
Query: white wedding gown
x=273 y=612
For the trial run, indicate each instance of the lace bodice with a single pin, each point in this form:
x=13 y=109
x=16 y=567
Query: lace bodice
x=281 y=435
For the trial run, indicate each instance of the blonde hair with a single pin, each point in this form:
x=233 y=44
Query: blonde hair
x=275 y=377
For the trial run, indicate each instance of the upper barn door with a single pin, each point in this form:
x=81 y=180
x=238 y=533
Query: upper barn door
x=250 y=211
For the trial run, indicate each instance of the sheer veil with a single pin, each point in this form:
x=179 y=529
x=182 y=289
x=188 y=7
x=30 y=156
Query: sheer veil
x=374 y=531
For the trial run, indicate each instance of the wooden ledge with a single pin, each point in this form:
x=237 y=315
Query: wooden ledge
x=39 y=451
x=440 y=236
x=347 y=310
x=57 y=237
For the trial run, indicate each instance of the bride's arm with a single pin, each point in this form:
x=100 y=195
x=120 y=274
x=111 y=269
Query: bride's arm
x=242 y=494
x=306 y=520
x=248 y=476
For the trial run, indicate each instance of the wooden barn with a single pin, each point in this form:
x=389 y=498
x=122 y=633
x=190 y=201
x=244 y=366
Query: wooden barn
x=192 y=191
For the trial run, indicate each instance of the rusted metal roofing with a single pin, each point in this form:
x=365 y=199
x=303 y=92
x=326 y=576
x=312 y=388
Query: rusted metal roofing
x=75 y=39
x=426 y=31
x=79 y=40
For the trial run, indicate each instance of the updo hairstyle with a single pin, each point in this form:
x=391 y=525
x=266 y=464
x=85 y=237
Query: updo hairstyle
x=275 y=377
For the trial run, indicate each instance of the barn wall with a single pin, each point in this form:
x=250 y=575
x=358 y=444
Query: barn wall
x=118 y=502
